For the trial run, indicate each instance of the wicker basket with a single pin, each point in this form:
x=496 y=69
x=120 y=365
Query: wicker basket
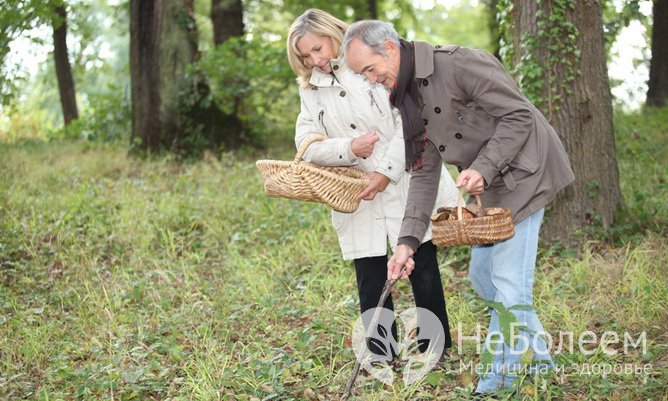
x=336 y=187
x=489 y=226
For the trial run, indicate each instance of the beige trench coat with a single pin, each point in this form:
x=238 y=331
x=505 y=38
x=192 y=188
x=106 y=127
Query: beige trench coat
x=342 y=106
x=477 y=118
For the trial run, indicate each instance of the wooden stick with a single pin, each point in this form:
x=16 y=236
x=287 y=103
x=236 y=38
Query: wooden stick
x=389 y=284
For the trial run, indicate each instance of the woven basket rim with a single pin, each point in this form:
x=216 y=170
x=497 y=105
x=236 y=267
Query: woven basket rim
x=481 y=229
x=318 y=170
x=335 y=186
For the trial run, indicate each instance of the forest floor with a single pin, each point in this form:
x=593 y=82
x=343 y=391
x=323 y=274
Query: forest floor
x=125 y=278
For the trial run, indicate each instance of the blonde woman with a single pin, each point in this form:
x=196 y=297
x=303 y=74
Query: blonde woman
x=363 y=131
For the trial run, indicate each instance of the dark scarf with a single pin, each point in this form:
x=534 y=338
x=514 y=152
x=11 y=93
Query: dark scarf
x=404 y=96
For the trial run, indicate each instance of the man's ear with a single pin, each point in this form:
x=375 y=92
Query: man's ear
x=390 y=47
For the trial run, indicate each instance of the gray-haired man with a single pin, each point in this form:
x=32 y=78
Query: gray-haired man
x=461 y=107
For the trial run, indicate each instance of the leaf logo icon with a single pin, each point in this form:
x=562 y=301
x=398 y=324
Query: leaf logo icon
x=421 y=346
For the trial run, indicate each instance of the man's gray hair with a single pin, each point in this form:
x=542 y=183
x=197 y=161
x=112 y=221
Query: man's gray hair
x=372 y=33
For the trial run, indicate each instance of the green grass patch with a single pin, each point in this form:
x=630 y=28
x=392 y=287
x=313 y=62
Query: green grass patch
x=133 y=279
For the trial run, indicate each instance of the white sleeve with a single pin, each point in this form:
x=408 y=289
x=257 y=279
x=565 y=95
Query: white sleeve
x=393 y=164
x=331 y=151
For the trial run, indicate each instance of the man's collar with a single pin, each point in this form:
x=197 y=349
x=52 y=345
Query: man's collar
x=424 y=60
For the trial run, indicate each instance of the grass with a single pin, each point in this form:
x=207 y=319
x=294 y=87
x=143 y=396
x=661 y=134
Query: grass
x=135 y=280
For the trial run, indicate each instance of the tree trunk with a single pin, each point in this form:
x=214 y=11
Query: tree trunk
x=220 y=127
x=68 y=100
x=576 y=99
x=161 y=46
x=373 y=9
x=657 y=91
x=227 y=18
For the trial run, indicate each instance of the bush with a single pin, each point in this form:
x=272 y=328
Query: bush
x=109 y=117
x=250 y=85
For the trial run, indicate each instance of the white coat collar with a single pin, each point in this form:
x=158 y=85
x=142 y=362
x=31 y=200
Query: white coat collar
x=339 y=69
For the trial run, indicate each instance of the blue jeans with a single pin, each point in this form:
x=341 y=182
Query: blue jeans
x=504 y=272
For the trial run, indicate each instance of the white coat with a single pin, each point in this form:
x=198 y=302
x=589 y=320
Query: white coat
x=343 y=105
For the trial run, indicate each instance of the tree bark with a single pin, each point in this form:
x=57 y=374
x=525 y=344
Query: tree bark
x=227 y=18
x=657 y=90
x=161 y=46
x=220 y=127
x=578 y=104
x=68 y=100
x=373 y=9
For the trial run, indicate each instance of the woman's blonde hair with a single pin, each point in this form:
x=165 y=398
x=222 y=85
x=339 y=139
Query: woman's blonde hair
x=316 y=22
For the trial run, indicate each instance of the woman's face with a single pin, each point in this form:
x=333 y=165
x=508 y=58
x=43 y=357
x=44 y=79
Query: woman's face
x=316 y=51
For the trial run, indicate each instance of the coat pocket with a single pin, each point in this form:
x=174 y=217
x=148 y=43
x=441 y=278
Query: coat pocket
x=321 y=121
x=525 y=161
x=375 y=106
x=341 y=222
x=532 y=154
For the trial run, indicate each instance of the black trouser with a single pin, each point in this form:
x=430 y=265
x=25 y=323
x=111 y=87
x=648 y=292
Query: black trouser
x=425 y=280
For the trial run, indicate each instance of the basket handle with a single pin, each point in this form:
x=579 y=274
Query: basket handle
x=460 y=203
x=307 y=142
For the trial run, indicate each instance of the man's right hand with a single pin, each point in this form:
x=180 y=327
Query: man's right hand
x=472 y=181
x=402 y=256
x=362 y=146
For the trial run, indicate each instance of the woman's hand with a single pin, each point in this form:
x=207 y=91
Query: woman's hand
x=362 y=146
x=377 y=183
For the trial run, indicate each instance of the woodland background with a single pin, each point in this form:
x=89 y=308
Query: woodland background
x=140 y=259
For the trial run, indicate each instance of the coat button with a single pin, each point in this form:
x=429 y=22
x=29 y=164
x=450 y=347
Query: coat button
x=340 y=156
x=437 y=110
x=389 y=167
x=459 y=168
x=336 y=67
x=425 y=82
x=353 y=126
x=441 y=148
x=458 y=135
x=342 y=93
x=425 y=121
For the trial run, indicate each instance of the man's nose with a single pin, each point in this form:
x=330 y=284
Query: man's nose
x=371 y=78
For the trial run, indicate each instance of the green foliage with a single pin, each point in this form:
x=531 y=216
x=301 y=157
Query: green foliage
x=107 y=118
x=640 y=145
x=99 y=58
x=615 y=20
x=24 y=124
x=553 y=48
x=463 y=24
x=641 y=148
x=152 y=279
x=17 y=17
x=252 y=80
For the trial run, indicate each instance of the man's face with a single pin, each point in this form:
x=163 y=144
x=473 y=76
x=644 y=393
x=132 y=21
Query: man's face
x=377 y=68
